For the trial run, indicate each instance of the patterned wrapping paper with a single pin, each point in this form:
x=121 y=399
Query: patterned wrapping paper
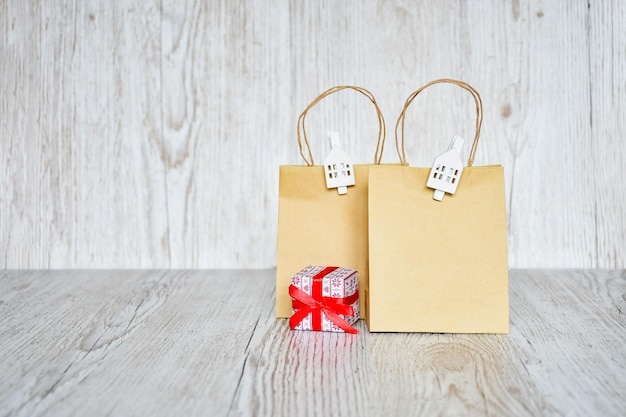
x=333 y=289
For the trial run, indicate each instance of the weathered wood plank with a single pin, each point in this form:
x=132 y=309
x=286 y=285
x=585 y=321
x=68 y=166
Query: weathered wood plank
x=395 y=374
x=150 y=134
x=572 y=338
x=126 y=342
x=170 y=342
x=81 y=175
x=607 y=57
x=226 y=109
x=564 y=356
x=550 y=179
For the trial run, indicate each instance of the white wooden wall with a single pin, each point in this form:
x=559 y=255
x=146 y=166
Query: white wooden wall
x=148 y=134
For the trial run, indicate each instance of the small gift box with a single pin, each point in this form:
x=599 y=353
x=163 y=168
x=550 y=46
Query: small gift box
x=325 y=298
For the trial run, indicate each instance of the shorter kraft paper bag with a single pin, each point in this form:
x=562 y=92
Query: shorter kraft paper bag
x=316 y=225
x=437 y=266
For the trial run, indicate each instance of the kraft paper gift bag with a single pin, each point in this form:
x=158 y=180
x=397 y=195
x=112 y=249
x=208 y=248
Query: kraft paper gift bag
x=316 y=225
x=437 y=266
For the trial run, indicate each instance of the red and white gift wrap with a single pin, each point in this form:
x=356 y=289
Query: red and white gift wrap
x=325 y=298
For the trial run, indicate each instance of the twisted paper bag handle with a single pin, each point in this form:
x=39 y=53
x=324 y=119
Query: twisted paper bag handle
x=409 y=100
x=303 y=141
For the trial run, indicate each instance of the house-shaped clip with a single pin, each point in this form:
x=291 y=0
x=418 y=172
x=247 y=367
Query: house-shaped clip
x=446 y=171
x=338 y=168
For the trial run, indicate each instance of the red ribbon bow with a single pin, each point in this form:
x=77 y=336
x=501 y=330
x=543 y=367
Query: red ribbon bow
x=304 y=304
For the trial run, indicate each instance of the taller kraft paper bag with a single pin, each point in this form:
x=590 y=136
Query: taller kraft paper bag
x=316 y=225
x=437 y=266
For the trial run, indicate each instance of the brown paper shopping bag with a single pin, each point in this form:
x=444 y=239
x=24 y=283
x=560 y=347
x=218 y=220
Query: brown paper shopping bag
x=437 y=266
x=316 y=225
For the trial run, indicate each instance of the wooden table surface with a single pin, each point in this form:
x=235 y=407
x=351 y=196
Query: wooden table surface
x=167 y=343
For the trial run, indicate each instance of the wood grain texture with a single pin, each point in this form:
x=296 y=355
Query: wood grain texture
x=226 y=104
x=607 y=57
x=64 y=331
x=545 y=58
x=206 y=342
x=82 y=180
x=149 y=135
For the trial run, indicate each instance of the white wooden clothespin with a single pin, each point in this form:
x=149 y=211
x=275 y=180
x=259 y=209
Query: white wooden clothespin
x=338 y=168
x=447 y=169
